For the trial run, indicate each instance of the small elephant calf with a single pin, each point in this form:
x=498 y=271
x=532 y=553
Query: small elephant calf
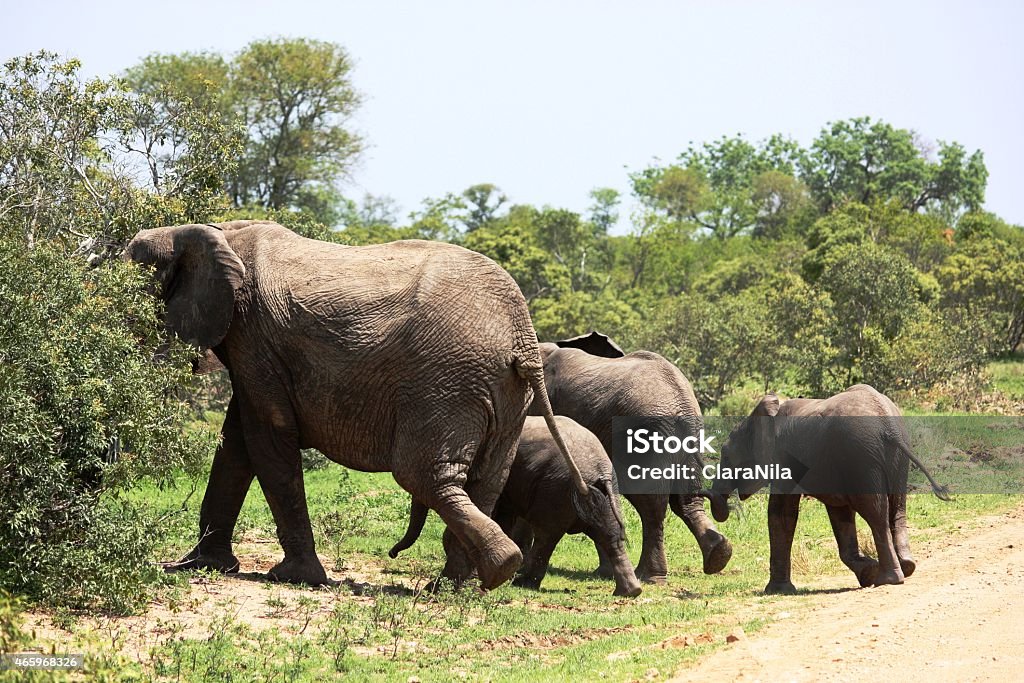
x=852 y=452
x=540 y=500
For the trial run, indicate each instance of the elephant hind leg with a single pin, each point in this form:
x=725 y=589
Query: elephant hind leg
x=461 y=482
x=652 y=567
x=875 y=511
x=900 y=537
x=844 y=527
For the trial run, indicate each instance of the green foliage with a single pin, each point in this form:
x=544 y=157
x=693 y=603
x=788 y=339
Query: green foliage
x=12 y=637
x=731 y=186
x=864 y=161
x=291 y=99
x=86 y=413
x=984 y=278
x=90 y=159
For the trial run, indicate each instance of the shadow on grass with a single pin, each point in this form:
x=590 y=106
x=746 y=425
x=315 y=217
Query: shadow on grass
x=576 y=574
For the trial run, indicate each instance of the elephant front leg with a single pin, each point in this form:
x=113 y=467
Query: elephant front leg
x=230 y=478
x=715 y=548
x=783 y=511
x=652 y=567
x=845 y=529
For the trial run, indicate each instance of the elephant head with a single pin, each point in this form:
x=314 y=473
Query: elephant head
x=196 y=273
x=594 y=343
x=751 y=443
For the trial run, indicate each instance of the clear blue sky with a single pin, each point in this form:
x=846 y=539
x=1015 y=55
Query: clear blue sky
x=551 y=99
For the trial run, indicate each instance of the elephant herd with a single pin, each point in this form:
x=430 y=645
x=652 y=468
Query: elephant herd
x=420 y=359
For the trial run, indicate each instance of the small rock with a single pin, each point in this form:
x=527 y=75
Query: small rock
x=412 y=679
x=651 y=675
x=735 y=635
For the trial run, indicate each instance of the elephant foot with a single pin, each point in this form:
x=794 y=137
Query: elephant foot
x=307 y=570
x=718 y=555
x=893 y=577
x=605 y=571
x=222 y=561
x=628 y=587
x=527 y=582
x=780 y=588
x=499 y=564
x=908 y=565
x=867 y=573
x=659 y=579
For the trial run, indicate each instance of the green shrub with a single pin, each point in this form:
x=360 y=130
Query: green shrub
x=85 y=411
x=12 y=638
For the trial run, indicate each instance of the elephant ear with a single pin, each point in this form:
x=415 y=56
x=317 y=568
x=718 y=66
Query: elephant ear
x=764 y=429
x=198 y=273
x=200 y=295
x=767 y=406
x=594 y=343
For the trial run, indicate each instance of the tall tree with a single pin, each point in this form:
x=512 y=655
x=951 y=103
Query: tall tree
x=866 y=161
x=293 y=99
x=79 y=159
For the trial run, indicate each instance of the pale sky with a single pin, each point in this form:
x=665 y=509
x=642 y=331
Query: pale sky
x=551 y=99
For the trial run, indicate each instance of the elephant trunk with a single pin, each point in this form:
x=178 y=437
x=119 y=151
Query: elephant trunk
x=417 y=518
x=719 y=503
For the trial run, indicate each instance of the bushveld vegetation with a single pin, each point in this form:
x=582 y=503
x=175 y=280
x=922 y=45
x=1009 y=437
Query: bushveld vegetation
x=864 y=256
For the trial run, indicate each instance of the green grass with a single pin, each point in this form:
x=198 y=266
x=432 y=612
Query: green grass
x=376 y=626
x=571 y=629
x=1008 y=376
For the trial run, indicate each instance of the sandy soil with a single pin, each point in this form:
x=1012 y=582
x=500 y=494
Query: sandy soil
x=960 y=617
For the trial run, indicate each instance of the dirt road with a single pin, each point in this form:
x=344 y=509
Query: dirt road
x=959 y=618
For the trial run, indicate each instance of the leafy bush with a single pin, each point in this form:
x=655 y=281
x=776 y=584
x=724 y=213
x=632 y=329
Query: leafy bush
x=11 y=636
x=85 y=411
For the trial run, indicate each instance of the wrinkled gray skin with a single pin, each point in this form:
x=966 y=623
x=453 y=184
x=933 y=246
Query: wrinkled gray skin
x=591 y=380
x=539 y=505
x=846 y=457
x=415 y=358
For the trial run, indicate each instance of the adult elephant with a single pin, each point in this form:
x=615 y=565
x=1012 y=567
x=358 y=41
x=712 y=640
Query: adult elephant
x=850 y=451
x=590 y=379
x=417 y=358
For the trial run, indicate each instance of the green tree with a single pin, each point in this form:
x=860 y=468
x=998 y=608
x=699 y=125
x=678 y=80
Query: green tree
x=85 y=159
x=866 y=161
x=293 y=99
x=875 y=294
x=717 y=342
x=482 y=203
x=729 y=186
x=603 y=213
x=985 y=279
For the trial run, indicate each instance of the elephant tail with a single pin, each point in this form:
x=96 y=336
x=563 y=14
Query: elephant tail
x=417 y=518
x=535 y=376
x=941 y=491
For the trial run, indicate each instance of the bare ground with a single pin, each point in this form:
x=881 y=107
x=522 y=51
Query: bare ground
x=960 y=617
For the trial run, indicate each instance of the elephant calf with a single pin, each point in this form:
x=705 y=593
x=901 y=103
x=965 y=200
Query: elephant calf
x=539 y=500
x=851 y=452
